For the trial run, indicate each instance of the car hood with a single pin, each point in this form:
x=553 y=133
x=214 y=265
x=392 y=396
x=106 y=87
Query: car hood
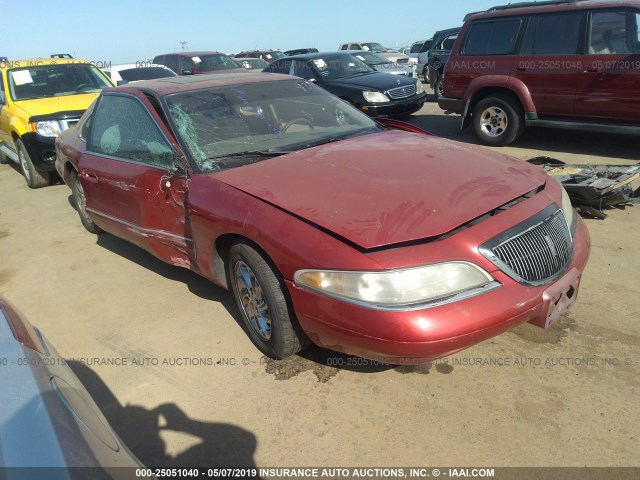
x=387 y=188
x=374 y=81
x=45 y=106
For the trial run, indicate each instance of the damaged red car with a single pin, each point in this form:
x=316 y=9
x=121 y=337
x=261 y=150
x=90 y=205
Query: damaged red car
x=377 y=240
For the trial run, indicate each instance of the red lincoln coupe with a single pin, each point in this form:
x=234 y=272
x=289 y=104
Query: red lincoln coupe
x=376 y=240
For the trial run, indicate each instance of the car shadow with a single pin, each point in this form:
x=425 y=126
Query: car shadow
x=312 y=358
x=220 y=445
x=196 y=284
x=550 y=140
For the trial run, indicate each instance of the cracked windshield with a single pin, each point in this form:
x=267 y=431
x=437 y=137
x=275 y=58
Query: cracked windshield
x=230 y=126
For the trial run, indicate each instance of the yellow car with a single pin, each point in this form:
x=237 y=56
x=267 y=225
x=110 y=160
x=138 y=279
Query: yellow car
x=39 y=98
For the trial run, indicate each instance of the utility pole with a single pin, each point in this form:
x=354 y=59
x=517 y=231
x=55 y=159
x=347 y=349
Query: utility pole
x=184 y=45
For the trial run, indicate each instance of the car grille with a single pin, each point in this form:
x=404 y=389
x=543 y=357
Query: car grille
x=535 y=252
x=401 y=92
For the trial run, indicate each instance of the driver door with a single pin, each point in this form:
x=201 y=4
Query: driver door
x=129 y=179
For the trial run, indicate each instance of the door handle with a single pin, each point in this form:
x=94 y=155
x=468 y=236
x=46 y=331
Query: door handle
x=591 y=70
x=521 y=69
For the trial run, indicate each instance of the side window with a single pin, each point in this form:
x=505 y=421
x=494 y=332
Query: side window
x=171 y=61
x=279 y=66
x=552 y=34
x=185 y=64
x=609 y=33
x=303 y=69
x=85 y=127
x=447 y=43
x=492 y=38
x=343 y=47
x=122 y=127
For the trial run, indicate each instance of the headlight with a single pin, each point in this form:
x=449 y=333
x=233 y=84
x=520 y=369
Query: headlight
x=393 y=289
x=49 y=128
x=375 y=97
x=419 y=87
x=567 y=209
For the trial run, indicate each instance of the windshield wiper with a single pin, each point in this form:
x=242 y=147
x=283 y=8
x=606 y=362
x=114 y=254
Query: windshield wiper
x=250 y=153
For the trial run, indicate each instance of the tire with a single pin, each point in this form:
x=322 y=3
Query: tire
x=497 y=120
x=438 y=88
x=425 y=75
x=261 y=298
x=33 y=177
x=81 y=205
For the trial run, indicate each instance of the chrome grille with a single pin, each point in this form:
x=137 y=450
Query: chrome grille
x=535 y=252
x=401 y=92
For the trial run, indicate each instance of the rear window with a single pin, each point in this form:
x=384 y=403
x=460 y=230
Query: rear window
x=145 y=73
x=492 y=38
x=552 y=34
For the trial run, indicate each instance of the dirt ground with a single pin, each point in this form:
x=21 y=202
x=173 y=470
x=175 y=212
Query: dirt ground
x=187 y=388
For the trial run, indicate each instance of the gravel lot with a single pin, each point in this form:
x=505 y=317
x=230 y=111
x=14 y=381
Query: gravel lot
x=186 y=387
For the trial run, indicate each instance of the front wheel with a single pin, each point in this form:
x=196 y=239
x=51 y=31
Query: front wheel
x=261 y=298
x=498 y=120
x=81 y=205
x=33 y=177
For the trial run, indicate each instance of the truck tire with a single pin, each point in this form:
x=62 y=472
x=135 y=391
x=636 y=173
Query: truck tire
x=498 y=120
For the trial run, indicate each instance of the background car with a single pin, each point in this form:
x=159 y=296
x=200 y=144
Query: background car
x=414 y=50
x=39 y=98
x=371 y=238
x=48 y=419
x=251 y=63
x=434 y=55
x=300 y=51
x=194 y=63
x=394 y=57
x=135 y=72
x=541 y=65
x=266 y=55
x=382 y=64
x=375 y=93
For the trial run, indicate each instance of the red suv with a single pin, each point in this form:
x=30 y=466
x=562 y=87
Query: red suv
x=567 y=64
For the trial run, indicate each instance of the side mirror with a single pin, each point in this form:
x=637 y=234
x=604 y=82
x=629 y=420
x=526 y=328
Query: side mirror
x=312 y=80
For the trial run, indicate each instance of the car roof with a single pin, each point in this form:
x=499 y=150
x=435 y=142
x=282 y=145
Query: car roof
x=40 y=61
x=169 y=85
x=314 y=55
x=127 y=66
x=548 y=6
x=192 y=54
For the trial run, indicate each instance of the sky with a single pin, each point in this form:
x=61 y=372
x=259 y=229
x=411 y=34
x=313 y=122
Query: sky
x=123 y=31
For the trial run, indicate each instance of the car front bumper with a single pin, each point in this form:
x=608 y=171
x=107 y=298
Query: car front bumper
x=394 y=108
x=420 y=336
x=41 y=151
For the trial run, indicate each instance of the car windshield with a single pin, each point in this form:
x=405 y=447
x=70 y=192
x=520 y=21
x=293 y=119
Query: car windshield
x=145 y=73
x=213 y=62
x=234 y=125
x=332 y=67
x=55 y=81
x=374 y=47
x=370 y=58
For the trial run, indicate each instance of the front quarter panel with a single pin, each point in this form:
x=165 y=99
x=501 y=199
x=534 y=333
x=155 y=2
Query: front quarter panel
x=217 y=209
